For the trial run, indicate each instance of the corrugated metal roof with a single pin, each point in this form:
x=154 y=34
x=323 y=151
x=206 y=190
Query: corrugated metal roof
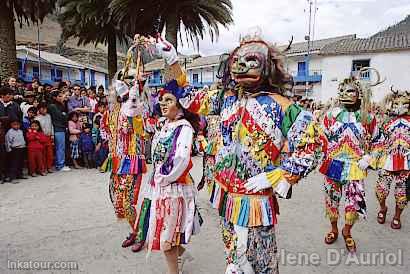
x=392 y=42
x=51 y=58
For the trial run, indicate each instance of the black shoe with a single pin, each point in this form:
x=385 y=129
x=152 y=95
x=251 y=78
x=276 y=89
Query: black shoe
x=22 y=177
x=7 y=180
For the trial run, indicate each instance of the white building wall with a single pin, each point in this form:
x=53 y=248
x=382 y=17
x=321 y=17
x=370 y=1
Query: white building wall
x=393 y=66
x=205 y=75
x=99 y=79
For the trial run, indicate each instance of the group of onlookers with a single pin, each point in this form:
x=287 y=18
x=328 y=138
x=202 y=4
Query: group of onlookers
x=47 y=128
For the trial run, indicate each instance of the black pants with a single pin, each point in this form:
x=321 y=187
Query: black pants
x=16 y=162
x=89 y=160
x=3 y=161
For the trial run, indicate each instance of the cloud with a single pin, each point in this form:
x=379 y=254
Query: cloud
x=280 y=19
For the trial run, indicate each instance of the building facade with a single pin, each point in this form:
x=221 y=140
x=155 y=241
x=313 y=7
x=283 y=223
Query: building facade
x=51 y=68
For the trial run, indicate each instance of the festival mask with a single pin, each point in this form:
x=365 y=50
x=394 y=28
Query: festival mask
x=350 y=91
x=168 y=104
x=399 y=103
x=248 y=64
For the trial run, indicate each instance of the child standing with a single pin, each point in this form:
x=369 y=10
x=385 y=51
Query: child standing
x=36 y=141
x=87 y=146
x=74 y=129
x=15 y=145
x=47 y=126
x=101 y=145
x=31 y=113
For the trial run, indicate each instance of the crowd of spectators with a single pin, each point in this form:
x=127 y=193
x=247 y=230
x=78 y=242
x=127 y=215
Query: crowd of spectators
x=47 y=128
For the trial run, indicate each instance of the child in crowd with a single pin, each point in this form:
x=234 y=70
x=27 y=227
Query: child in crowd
x=36 y=141
x=87 y=146
x=100 y=110
x=47 y=126
x=74 y=129
x=15 y=147
x=31 y=114
x=101 y=146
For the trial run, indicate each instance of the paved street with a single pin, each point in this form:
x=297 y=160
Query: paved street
x=68 y=217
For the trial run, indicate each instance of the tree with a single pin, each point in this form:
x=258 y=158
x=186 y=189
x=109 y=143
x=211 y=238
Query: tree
x=91 y=21
x=24 y=11
x=196 y=16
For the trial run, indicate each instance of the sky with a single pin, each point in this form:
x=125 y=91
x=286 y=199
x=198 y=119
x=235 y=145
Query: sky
x=278 y=20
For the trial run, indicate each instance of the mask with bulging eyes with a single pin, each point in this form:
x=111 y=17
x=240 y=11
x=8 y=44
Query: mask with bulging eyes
x=349 y=92
x=248 y=64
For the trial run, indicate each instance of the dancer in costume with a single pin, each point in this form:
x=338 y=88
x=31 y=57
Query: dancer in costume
x=210 y=141
x=351 y=133
x=123 y=126
x=267 y=144
x=394 y=162
x=169 y=208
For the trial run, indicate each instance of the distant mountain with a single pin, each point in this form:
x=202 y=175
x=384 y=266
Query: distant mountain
x=50 y=34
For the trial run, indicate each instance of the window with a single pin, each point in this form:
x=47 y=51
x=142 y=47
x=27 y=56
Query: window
x=195 y=78
x=301 y=68
x=59 y=75
x=359 y=64
x=35 y=72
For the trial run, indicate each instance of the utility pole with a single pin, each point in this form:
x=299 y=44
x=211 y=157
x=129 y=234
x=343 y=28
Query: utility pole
x=39 y=52
x=308 y=38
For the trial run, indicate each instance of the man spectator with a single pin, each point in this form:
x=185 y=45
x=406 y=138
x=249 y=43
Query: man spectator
x=79 y=103
x=59 y=117
x=12 y=83
x=28 y=102
x=3 y=125
x=7 y=106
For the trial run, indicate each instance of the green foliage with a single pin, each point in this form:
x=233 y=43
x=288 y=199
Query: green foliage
x=196 y=16
x=30 y=10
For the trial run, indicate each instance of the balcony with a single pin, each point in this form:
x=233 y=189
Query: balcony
x=303 y=76
x=364 y=75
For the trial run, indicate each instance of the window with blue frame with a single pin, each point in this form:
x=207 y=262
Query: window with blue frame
x=92 y=77
x=302 y=69
x=59 y=75
x=195 y=78
x=20 y=69
x=36 y=72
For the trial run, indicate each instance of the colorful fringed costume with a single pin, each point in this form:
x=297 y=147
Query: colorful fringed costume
x=125 y=161
x=211 y=142
x=349 y=140
x=173 y=217
x=265 y=139
x=394 y=147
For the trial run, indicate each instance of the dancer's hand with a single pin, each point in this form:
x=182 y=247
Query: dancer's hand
x=364 y=162
x=258 y=183
x=166 y=50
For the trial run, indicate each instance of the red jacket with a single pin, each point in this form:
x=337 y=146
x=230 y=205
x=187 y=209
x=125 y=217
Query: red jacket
x=36 y=140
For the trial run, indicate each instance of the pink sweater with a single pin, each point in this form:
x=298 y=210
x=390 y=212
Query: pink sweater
x=74 y=129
